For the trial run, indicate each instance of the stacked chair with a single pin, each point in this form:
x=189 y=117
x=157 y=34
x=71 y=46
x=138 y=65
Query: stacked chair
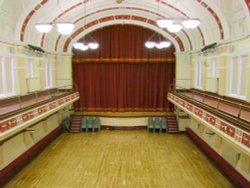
x=158 y=124
x=66 y=123
x=90 y=123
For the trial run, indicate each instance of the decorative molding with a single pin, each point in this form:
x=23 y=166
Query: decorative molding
x=111 y=18
x=221 y=126
x=123 y=114
x=123 y=110
x=30 y=116
x=122 y=60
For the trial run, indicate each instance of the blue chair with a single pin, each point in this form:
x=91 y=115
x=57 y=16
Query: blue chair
x=96 y=124
x=150 y=123
x=85 y=123
x=66 y=123
x=157 y=124
x=91 y=123
x=163 y=124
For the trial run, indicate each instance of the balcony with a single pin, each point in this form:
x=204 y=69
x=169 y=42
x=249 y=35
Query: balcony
x=229 y=119
x=20 y=112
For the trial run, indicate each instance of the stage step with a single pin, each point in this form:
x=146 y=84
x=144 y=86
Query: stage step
x=172 y=124
x=75 y=124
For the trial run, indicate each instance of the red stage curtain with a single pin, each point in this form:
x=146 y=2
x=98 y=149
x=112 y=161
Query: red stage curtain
x=123 y=87
x=122 y=75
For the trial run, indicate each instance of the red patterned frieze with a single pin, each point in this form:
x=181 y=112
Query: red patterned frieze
x=61 y=101
x=198 y=112
x=246 y=139
x=229 y=130
x=3 y=127
x=189 y=107
x=42 y=110
x=210 y=119
x=235 y=133
x=52 y=105
x=7 y=124
x=20 y=119
x=223 y=127
x=27 y=116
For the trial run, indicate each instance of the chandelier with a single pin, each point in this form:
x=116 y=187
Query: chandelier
x=64 y=28
x=159 y=44
x=84 y=46
x=174 y=25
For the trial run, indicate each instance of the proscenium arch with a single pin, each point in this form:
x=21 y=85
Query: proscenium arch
x=183 y=35
x=106 y=24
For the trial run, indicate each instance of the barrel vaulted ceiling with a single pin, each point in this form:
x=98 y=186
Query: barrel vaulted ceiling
x=220 y=19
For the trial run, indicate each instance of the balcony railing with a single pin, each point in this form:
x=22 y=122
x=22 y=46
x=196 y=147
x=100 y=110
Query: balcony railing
x=11 y=105
x=238 y=110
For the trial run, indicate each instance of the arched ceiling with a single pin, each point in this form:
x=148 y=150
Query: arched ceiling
x=88 y=15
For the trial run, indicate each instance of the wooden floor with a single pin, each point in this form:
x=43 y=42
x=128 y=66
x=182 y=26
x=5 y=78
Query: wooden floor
x=114 y=159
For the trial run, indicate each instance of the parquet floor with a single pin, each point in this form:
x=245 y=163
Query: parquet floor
x=117 y=159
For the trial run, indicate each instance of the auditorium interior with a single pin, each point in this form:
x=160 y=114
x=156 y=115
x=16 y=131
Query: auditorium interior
x=124 y=93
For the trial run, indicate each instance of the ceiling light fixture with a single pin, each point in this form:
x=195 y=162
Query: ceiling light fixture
x=84 y=46
x=174 y=25
x=64 y=28
x=159 y=45
x=43 y=27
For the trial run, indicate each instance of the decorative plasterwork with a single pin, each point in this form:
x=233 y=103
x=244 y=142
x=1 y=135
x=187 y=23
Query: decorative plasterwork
x=221 y=126
x=22 y=119
x=70 y=9
x=136 y=18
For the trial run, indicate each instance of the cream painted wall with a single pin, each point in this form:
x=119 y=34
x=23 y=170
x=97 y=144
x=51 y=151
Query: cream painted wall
x=222 y=55
x=64 y=70
x=183 y=70
x=233 y=155
x=29 y=78
x=20 y=143
x=126 y=122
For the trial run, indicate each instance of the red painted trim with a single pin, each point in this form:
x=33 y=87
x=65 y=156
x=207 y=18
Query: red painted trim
x=110 y=127
x=15 y=166
x=248 y=5
x=134 y=17
x=79 y=4
x=237 y=179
